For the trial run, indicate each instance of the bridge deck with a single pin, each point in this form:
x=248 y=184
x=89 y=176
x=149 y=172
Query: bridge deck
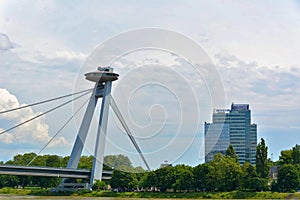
x=50 y=172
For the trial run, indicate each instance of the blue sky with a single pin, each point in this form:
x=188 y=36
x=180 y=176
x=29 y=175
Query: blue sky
x=254 y=45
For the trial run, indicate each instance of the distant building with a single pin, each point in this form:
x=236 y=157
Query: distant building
x=166 y=164
x=274 y=172
x=217 y=139
x=231 y=127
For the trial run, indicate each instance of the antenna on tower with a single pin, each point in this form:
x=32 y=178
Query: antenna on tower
x=272 y=157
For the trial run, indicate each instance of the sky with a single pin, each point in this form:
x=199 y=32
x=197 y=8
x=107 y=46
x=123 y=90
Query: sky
x=47 y=46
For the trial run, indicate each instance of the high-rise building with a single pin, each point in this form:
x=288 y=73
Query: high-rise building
x=231 y=126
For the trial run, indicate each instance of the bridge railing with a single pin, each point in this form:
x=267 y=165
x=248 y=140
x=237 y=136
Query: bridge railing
x=49 y=171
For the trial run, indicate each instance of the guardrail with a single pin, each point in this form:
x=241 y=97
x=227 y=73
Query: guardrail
x=49 y=172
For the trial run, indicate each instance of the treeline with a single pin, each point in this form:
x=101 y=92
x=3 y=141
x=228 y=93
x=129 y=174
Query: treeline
x=288 y=178
x=223 y=173
x=119 y=162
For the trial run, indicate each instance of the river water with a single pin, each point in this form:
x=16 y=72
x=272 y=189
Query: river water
x=10 y=196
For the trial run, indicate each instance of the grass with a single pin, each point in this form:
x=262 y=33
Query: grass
x=30 y=191
x=195 y=195
x=189 y=195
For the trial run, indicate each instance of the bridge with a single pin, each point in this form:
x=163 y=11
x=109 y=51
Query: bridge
x=50 y=172
x=103 y=78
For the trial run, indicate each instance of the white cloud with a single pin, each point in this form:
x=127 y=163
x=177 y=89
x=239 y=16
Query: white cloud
x=6 y=137
x=269 y=90
x=66 y=55
x=5 y=43
x=19 y=70
x=34 y=132
x=54 y=58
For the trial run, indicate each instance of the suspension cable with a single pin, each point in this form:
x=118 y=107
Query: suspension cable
x=45 y=101
x=37 y=116
x=127 y=130
x=59 y=131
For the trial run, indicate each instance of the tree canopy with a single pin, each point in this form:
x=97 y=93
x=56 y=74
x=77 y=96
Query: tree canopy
x=262 y=167
x=223 y=173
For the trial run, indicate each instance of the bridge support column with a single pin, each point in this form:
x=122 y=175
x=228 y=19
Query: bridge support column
x=83 y=131
x=103 y=78
x=97 y=168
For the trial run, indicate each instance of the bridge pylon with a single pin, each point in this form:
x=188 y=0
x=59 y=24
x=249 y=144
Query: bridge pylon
x=103 y=78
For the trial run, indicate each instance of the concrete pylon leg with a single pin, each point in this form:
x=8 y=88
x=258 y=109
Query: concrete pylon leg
x=83 y=131
x=97 y=168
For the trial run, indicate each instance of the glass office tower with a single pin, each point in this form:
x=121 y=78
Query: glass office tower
x=231 y=127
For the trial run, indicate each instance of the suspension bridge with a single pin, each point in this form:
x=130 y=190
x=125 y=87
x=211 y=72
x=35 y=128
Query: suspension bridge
x=103 y=78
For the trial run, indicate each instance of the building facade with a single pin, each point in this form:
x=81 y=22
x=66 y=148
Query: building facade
x=231 y=126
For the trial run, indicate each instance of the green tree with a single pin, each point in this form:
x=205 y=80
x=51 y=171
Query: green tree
x=201 y=177
x=232 y=174
x=296 y=154
x=10 y=181
x=52 y=160
x=138 y=169
x=288 y=178
x=38 y=161
x=224 y=174
x=99 y=185
x=249 y=173
x=262 y=167
x=64 y=161
x=231 y=153
x=46 y=182
x=250 y=180
x=124 y=181
x=119 y=162
x=164 y=178
x=2 y=182
x=22 y=159
x=184 y=178
x=148 y=181
x=86 y=162
x=215 y=174
x=286 y=157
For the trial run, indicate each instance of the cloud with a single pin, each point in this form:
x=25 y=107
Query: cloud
x=55 y=57
x=5 y=43
x=34 y=132
x=225 y=58
x=6 y=137
x=26 y=74
x=262 y=80
x=268 y=89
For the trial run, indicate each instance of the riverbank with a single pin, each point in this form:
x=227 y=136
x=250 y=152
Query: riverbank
x=189 y=195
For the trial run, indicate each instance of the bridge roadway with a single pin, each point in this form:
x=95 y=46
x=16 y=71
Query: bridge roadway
x=50 y=172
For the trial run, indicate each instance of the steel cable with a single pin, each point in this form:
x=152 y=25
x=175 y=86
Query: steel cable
x=63 y=126
x=127 y=130
x=45 y=101
x=37 y=116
